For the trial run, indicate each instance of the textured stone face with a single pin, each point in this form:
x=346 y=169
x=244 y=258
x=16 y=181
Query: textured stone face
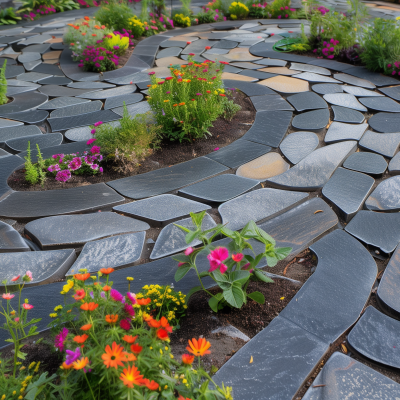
x=369 y=163
x=263 y=167
x=10 y=239
x=343 y=114
x=352 y=80
x=380 y=104
x=344 y=100
x=298 y=145
x=307 y=101
x=386 y=196
x=284 y=84
x=381 y=143
x=339 y=131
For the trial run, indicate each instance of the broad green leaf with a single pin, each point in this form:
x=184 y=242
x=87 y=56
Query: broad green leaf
x=271 y=259
x=181 y=272
x=198 y=218
x=21 y=355
x=193 y=291
x=203 y=274
x=234 y=296
x=240 y=276
x=257 y=297
x=227 y=232
x=265 y=235
x=282 y=252
x=213 y=302
x=250 y=230
x=262 y=277
x=191 y=236
x=181 y=258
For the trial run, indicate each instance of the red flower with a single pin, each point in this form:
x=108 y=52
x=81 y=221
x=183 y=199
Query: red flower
x=237 y=257
x=162 y=334
x=125 y=324
x=80 y=294
x=151 y=385
x=135 y=348
x=168 y=78
x=208 y=47
x=187 y=359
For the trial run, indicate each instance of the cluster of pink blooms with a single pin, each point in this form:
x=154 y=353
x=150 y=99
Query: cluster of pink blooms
x=395 y=68
x=9 y=296
x=43 y=10
x=97 y=55
x=259 y=5
x=286 y=9
x=323 y=10
x=328 y=50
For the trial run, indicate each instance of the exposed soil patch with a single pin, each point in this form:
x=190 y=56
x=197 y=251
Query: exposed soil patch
x=223 y=133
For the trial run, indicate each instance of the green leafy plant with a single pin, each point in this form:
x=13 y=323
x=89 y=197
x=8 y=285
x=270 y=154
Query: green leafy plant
x=181 y=20
x=3 y=84
x=41 y=167
x=114 y=15
x=136 y=26
x=65 y=5
x=116 y=43
x=8 y=16
x=31 y=172
x=238 y=10
x=230 y=268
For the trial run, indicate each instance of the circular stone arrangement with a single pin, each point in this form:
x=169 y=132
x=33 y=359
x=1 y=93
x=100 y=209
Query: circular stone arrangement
x=321 y=126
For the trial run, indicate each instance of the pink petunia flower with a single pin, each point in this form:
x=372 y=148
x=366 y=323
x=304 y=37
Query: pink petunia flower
x=188 y=251
x=216 y=258
x=132 y=297
x=7 y=296
x=60 y=339
x=27 y=306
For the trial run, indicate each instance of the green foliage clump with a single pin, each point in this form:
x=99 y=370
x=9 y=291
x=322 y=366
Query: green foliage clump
x=181 y=20
x=8 y=16
x=3 y=84
x=114 y=15
x=31 y=172
x=238 y=10
x=116 y=43
x=136 y=26
x=206 y=17
x=41 y=167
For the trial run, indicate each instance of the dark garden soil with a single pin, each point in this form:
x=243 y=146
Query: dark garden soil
x=223 y=133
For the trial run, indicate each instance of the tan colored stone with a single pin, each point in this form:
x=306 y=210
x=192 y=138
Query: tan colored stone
x=55 y=40
x=52 y=55
x=279 y=70
x=236 y=77
x=167 y=61
x=51 y=62
x=264 y=167
x=160 y=72
x=285 y=84
x=14 y=56
x=241 y=54
x=184 y=38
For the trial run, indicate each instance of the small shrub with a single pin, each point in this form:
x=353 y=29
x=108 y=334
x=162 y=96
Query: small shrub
x=98 y=59
x=116 y=43
x=3 y=84
x=136 y=26
x=114 y=15
x=31 y=172
x=41 y=167
x=8 y=16
x=207 y=17
x=281 y=9
x=181 y=20
x=238 y=10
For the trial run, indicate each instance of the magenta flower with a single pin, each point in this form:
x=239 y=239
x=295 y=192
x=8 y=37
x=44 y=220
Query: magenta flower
x=129 y=310
x=101 y=170
x=93 y=131
x=75 y=164
x=63 y=176
x=90 y=141
x=94 y=166
x=216 y=258
x=188 y=251
x=117 y=296
x=216 y=149
x=72 y=356
x=151 y=73
x=95 y=150
x=53 y=168
x=131 y=297
x=98 y=123
x=60 y=339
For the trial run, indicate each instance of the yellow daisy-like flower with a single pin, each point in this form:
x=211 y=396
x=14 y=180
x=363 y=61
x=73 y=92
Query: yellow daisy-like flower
x=53 y=315
x=129 y=278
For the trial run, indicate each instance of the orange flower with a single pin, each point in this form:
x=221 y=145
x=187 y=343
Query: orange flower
x=89 y=306
x=81 y=339
x=199 y=347
x=106 y=271
x=182 y=398
x=65 y=366
x=151 y=385
x=136 y=348
x=114 y=356
x=106 y=288
x=79 y=364
x=112 y=318
x=175 y=105
x=86 y=18
x=144 y=302
x=130 y=356
x=97 y=27
x=183 y=66
x=72 y=44
x=86 y=327
x=83 y=33
x=187 y=359
x=162 y=334
x=181 y=104
x=82 y=277
x=93 y=34
x=80 y=294
x=163 y=323
x=103 y=27
x=131 y=376
x=129 y=338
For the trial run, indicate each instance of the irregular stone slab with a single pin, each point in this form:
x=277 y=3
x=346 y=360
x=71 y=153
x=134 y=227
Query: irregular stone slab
x=385 y=122
x=380 y=104
x=215 y=51
x=165 y=180
x=342 y=114
x=250 y=89
x=61 y=102
x=38 y=39
x=17 y=132
x=167 y=61
x=198 y=47
x=381 y=143
x=161 y=210
x=393 y=92
x=118 y=101
x=283 y=357
x=327 y=88
x=313 y=171
x=11 y=91
x=256 y=74
x=219 y=189
x=241 y=54
x=46 y=266
x=394 y=165
x=375 y=336
x=298 y=145
x=30 y=56
x=225 y=44
x=279 y=71
x=79 y=134
x=29 y=66
x=269 y=127
x=77 y=109
x=48 y=69
x=90 y=85
x=23 y=102
x=339 y=131
x=352 y=80
x=237 y=77
x=376 y=79
x=16 y=82
x=360 y=92
x=4 y=153
x=14 y=70
x=263 y=167
x=258 y=205
x=285 y=84
x=62 y=91
x=344 y=100
x=312 y=120
x=61 y=124
x=113 y=252
x=134 y=109
x=169 y=52
x=310 y=68
x=335 y=295
x=306 y=101
x=48 y=140
x=171 y=239
x=310 y=77
x=75 y=230
x=381 y=230
x=32 y=76
x=386 y=196
x=56 y=202
x=11 y=240
x=347 y=190
x=272 y=62
x=6 y=123
x=174 y=43
x=343 y=377
x=30 y=117
x=55 y=80
x=370 y=163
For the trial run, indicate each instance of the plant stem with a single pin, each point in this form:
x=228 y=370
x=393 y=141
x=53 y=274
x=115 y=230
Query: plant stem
x=91 y=391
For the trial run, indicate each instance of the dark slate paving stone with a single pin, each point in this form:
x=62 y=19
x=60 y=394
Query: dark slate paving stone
x=386 y=196
x=161 y=210
x=105 y=94
x=380 y=104
x=38 y=39
x=310 y=77
x=61 y=102
x=149 y=50
x=198 y=46
x=385 y=122
x=61 y=124
x=385 y=144
x=269 y=127
x=143 y=85
x=381 y=230
x=4 y=153
x=32 y=64
x=10 y=61
x=13 y=90
x=312 y=120
x=7 y=166
x=394 y=165
x=339 y=131
x=344 y=100
x=6 y=123
x=231 y=69
x=37 y=48
x=118 y=101
x=375 y=336
x=245 y=65
x=48 y=140
x=46 y=266
x=62 y=91
x=173 y=43
x=284 y=355
x=90 y=85
x=258 y=205
x=55 y=80
x=219 y=189
x=14 y=70
x=48 y=69
x=225 y=44
x=133 y=109
x=18 y=83
x=79 y=134
x=313 y=171
x=23 y=102
x=77 y=109
x=352 y=80
x=17 y=132
x=360 y=92
x=343 y=377
x=271 y=102
x=113 y=252
x=250 y=89
x=310 y=68
x=56 y=202
x=75 y=230
x=238 y=153
x=169 y=52
x=375 y=78
x=347 y=191
x=369 y=163
x=342 y=114
x=165 y=180
x=30 y=117
x=32 y=76
x=257 y=74
x=393 y=92
x=270 y=62
x=215 y=51
x=11 y=240
x=333 y=298
x=306 y=101
x=30 y=56
x=298 y=145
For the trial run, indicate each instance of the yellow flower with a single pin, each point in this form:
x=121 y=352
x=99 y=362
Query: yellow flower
x=355 y=29
x=129 y=278
x=3 y=397
x=14 y=393
x=31 y=365
x=36 y=369
x=171 y=355
x=58 y=308
x=22 y=368
x=161 y=352
x=166 y=101
x=53 y=315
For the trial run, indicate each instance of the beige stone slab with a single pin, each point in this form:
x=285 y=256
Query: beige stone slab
x=285 y=84
x=51 y=61
x=241 y=54
x=389 y=8
x=14 y=56
x=160 y=72
x=264 y=167
x=52 y=55
x=236 y=77
x=168 y=61
x=55 y=40
x=184 y=38
x=279 y=70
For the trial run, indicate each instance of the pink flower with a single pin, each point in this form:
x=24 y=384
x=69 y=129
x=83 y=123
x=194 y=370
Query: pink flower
x=125 y=324
x=188 y=251
x=131 y=297
x=60 y=339
x=90 y=141
x=216 y=257
x=27 y=306
x=216 y=149
x=151 y=73
x=93 y=131
x=15 y=278
x=16 y=319
x=98 y=123
x=181 y=263
x=29 y=275
x=63 y=176
x=247 y=267
x=237 y=257
x=7 y=296
x=95 y=150
x=117 y=296
x=75 y=164
x=129 y=309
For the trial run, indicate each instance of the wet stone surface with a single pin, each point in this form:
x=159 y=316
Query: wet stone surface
x=298 y=145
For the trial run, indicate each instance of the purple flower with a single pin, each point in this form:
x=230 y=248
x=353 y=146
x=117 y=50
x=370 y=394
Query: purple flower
x=75 y=164
x=93 y=131
x=101 y=170
x=60 y=339
x=63 y=176
x=117 y=296
x=98 y=123
x=94 y=166
x=199 y=94
x=89 y=160
x=72 y=356
x=97 y=65
x=53 y=168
